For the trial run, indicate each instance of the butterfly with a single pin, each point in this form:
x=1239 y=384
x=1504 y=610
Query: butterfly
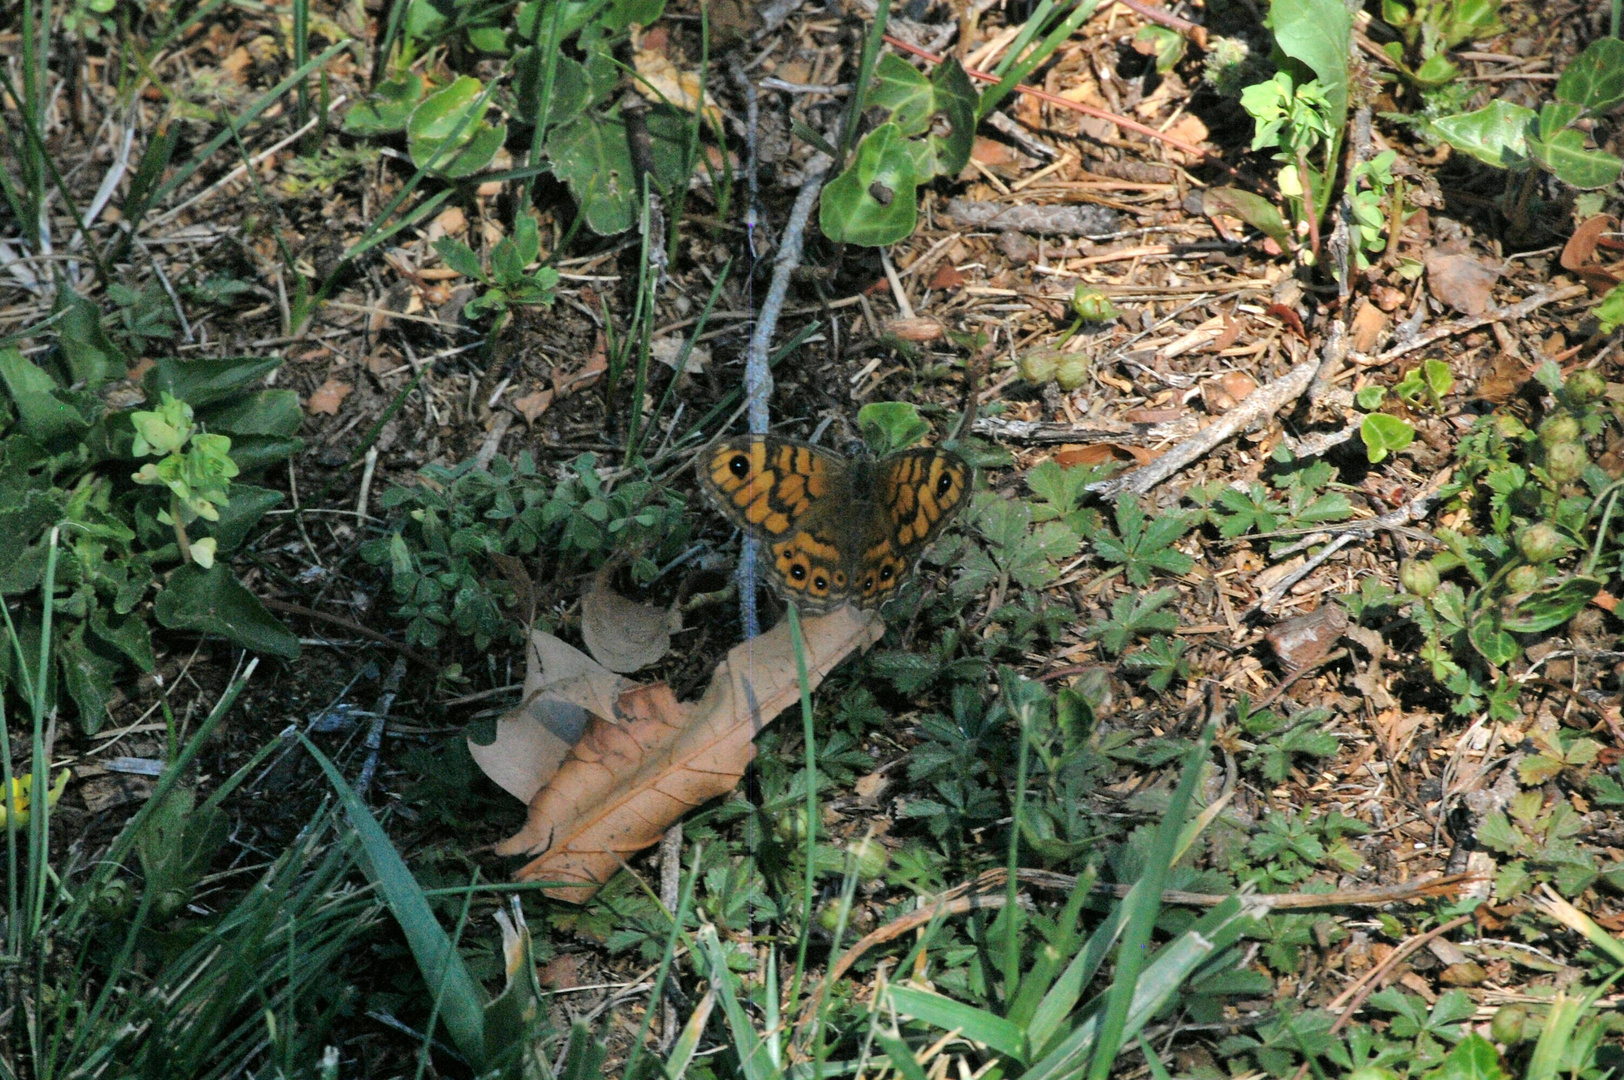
x=838 y=530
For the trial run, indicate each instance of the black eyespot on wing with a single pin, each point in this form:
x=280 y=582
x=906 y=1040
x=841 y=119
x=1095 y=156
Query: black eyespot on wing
x=868 y=583
x=887 y=573
x=739 y=465
x=840 y=577
x=944 y=484
x=820 y=583
x=798 y=571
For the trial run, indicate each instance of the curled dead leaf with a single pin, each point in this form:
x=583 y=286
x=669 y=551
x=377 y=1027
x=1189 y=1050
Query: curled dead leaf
x=1582 y=244
x=623 y=784
x=1460 y=281
x=622 y=634
x=562 y=686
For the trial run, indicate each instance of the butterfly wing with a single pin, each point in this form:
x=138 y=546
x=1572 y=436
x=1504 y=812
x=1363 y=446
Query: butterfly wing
x=795 y=498
x=916 y=494
x=766 y=486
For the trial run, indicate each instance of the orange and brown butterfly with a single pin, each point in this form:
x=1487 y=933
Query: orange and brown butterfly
x=837 y=530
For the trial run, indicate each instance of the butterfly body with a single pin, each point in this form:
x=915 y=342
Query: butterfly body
x=837 y=530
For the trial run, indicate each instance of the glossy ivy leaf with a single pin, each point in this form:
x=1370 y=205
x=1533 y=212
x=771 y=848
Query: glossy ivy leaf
x=448 y=132
x=906 y=92
x=1550 y=606
x=1166 y=45
x=1556 y=115
x=213 y=601
x=387 y=108
x=873 y=202
x=1594 y=81
x=1384 y=434
x=1564 y=155
x=590 y=155
x=1435 y=71
x=1255 y=210
x=1496 y=134
x=955 y=103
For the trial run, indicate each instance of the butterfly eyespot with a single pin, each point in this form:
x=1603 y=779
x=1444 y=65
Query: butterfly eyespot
x=868 y=583
x=798 y=572
x=944 y=484
x=887 y=573
x=738 y=465
x=820 y=583
x=840 y=577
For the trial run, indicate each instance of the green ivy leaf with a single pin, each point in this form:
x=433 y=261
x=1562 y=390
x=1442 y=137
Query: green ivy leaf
x=873 y=202
x=590 y=154
x=1594 y=80
x=1384 y=434
x=1496 y=134
x=1564 y=155
x=906 y=92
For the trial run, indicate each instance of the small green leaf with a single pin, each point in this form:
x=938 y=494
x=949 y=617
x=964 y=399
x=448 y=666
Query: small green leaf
x=1496 y=134
x=1552 y=605
x=1611 y=309
x=1491 y=640
x=591 y=155
x=447 y=132
x=891 y=425
x=873 y=202
x=1594 y=80
x=1255 y=210
x=1565 y=156
x=906 y=92
x=459 y=257
x=1384 y=434
x=388 y=108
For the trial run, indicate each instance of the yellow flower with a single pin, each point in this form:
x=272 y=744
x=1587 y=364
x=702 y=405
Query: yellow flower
x=20 y=786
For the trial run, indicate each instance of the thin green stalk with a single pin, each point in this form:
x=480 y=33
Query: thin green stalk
x=547 y=53
x=682 y=356
x=301 y=56
x=642 y=327
x=1012 y=924
x=808 y=736
x=685 y=902
x=858 y=99
x=1019 y=70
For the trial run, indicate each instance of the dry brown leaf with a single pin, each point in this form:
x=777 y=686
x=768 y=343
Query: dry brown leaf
x=947 y=277
x=328 y=397
x=663 y=83
x=1460 y=281
x=562 y=687
x=623 y=784
x=622 y=634
x=1582 y=244
x=532 y=405
x=1366 y=329
x=1103 y=453
x=667 y=349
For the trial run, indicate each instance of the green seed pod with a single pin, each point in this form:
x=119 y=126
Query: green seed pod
x=1073 y=371
x=790 y=824
x=1558 y=429
x=1418 y=578
x=1565 y=461
x=1091 y=305
x=868 y=859
x=1039 y=365
x=1540 y=543
x=1524 y=579
x=1507 y=1026
x=1583 y=386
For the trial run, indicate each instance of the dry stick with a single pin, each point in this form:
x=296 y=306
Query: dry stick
x=380 y=717
x=1255 y=407
x=1460 y=326
x=353 y=627
x=758 y=378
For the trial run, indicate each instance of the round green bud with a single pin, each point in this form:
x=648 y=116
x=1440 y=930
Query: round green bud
x=1073 y=371
x=1524 y=579
x=1583 y=386
x=1565 y=461
x=868 y=858
x=1540 y=543
x=1558 y=429
x=790 y=824
x=1507 y=1025
x=1039 y=366
x=828 y=917
x=1091 y=305
x=1418 y=578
